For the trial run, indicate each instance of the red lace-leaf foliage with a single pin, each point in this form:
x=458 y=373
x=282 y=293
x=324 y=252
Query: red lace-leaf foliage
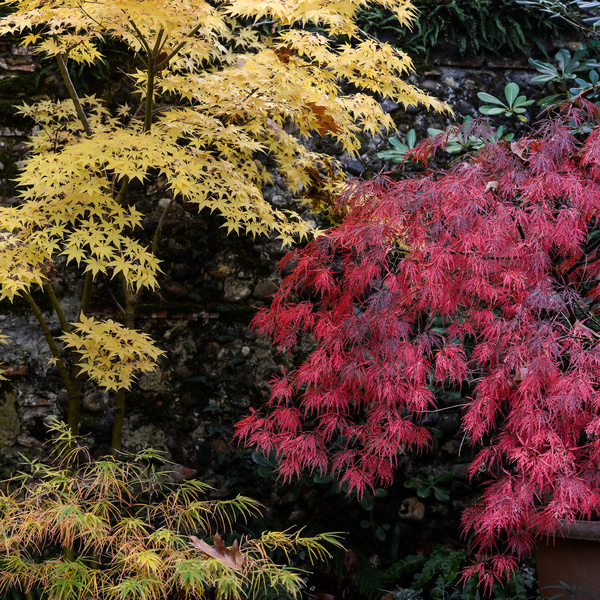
x=445 y=280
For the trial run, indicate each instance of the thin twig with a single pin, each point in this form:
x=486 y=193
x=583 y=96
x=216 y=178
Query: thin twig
x=111 y=294
x=159 y=227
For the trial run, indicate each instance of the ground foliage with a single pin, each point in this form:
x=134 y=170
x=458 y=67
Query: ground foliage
x=482 y=278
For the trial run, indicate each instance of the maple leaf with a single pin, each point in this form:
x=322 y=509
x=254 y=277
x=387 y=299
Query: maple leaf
x=111 y=353
x=216 y=92
x=324 y=120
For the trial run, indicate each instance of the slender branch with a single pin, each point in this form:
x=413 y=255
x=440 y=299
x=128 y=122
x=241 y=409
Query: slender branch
x=158 y=44
x=86 y=295
x=149 y=97
x=159 y=227
x=64 y=374
x=131 y=299
x=152 y=69
x=587 y=251
x=117 y=430
x=271 y=22
x=111 y=294
x=62 y=66
x=140 y=36
x=179 y=46
x=57 y=307
x=69 y=553
x=49 y=339
x=120 y=198
x=129 y=318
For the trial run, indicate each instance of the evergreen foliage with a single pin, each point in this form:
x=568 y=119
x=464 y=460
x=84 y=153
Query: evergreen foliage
x=474 y=27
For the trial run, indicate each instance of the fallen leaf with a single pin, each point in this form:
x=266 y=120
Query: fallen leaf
x=230 y=557
x=518 y=149
x=351 y=561
x=492 y=186
x=284 y=53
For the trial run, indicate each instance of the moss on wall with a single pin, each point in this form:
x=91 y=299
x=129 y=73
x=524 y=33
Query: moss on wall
x=23 y=84
x=9 y=420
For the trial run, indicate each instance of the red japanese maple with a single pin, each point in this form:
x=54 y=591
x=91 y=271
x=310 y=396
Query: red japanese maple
x=485 y=276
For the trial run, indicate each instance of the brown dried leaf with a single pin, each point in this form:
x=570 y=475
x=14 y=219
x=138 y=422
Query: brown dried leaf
x=351 y=561
x=518 y=149
x=230 y=557
x=325 y=121
x=492 y=186
x=159 y=59
x=284 y=53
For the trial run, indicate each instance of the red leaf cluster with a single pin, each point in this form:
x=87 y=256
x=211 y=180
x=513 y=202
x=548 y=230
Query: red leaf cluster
x=485 y=276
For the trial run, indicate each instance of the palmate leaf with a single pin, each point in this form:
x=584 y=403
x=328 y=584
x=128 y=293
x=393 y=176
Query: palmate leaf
x=111 y=353
x=216 y=93
x=215 y=166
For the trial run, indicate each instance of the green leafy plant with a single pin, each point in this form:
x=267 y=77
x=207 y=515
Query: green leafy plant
x=115 y=529
x=580 y=14
x=588 y=86
x=432 y=483
x=406 y=594
x=459 y=139
x=437 y=575
x=572 y=591
x=399 y=149
x=566 y=67
x=514 y=105
x=566 y=70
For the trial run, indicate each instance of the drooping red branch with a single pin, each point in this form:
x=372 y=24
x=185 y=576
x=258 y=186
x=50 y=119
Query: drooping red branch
x=485 y=276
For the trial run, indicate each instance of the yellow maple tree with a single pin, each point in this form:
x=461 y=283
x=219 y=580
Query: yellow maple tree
x=216 y=96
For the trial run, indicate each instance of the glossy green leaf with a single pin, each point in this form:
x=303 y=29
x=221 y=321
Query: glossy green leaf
x=491 y=110
x=511 y=91
x=484 y=97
